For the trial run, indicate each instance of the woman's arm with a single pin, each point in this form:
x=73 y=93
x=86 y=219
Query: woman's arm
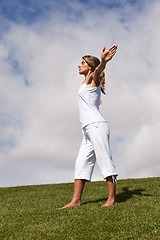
x=106 y=56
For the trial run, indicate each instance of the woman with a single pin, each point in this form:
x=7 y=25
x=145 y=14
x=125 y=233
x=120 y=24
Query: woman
x=95 y=144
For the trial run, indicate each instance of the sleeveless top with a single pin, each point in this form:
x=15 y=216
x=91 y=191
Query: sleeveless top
x=88 y=103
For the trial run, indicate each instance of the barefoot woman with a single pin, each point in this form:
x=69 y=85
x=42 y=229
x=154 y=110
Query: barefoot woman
x=95 y=144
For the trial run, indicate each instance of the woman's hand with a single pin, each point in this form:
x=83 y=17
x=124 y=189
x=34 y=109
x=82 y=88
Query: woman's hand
x=107 y=55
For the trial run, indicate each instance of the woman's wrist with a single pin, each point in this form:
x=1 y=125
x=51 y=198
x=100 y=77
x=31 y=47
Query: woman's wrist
x=103 y=62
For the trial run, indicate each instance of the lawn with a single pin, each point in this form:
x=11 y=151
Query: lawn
x=30 y=212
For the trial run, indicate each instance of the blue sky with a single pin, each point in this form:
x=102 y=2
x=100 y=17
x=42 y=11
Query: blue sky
x=31 y=11
x=41 y=45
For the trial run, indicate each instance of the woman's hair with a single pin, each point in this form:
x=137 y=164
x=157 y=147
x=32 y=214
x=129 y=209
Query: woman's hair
x=102 y=82
x=93 y=62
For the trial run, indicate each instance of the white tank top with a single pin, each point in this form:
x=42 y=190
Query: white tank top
x=88 y=103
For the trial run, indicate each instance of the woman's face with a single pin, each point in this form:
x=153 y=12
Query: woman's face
x=83 y=67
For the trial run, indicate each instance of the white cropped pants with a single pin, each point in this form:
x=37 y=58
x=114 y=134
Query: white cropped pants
x=95 y=147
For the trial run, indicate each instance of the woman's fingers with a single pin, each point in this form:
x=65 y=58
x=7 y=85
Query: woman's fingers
x=114 y=47
x=107 y=55
x=110 y=50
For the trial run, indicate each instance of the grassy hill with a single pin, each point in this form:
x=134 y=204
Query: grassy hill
x=31 y=212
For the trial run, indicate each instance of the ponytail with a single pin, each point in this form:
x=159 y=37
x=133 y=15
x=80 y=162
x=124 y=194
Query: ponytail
x=102 y=82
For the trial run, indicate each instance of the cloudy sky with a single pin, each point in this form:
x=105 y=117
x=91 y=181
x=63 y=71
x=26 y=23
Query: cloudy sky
x=41 y=45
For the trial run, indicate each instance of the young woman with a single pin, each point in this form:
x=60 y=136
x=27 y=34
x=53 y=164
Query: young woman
x=95 y=144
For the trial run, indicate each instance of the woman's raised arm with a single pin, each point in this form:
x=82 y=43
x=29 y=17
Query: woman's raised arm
x=106 y=56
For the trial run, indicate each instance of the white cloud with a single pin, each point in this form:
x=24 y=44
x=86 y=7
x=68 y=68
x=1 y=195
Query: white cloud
x=39 y=82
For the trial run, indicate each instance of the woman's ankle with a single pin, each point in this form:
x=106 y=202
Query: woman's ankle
x=76 y=201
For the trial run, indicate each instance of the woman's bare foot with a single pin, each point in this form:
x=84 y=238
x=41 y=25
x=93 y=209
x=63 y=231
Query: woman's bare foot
x=73 y=203
x=109 y=203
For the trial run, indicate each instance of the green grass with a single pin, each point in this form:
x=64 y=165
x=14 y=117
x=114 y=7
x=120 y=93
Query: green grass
x=30 y=212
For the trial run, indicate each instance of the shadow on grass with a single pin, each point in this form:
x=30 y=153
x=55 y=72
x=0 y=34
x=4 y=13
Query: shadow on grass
x=125 y=195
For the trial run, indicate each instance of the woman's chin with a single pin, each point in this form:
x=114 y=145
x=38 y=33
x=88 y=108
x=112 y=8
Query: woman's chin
x=81 y=73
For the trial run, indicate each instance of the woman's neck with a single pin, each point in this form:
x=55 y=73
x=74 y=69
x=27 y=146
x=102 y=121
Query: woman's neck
x=88 y=78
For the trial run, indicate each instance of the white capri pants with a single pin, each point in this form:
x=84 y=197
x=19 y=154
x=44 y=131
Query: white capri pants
x=95 y=146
